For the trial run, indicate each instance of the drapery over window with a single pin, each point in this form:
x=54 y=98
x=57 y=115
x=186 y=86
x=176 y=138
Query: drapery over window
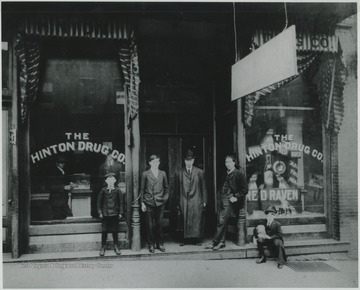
x=329 y=80
x=304 y=60
x=130 y=68
x=28 y=53
x=32 y=29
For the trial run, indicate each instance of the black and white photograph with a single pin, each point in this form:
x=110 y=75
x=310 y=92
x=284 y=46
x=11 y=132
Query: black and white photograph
x=185 y=144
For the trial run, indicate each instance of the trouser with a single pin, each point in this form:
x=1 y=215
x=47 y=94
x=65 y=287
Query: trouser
x=223 y=219
x=276 y=244
x=104 y=238
x=154 y=214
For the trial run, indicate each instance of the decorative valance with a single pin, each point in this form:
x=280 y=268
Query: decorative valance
x=330 y=80
x=130 y=68
x=305 y=42
x=28 y=53
x=68 y=25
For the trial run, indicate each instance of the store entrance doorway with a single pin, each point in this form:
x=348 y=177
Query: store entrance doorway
x=171 y=150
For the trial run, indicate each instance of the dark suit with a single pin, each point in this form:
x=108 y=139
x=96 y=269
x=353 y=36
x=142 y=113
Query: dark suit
x=110 y=203
x=233 y=185
x=154 y=192
x=276 y=242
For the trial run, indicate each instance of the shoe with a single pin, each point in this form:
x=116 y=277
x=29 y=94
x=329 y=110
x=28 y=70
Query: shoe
x=182 y=244
x=102 y=251
x=261 y=260
x=198 y=244
x=280 y=266
x=151 y=249
x=161 y=248
x=117 y=250
x=219 y=246
x=211 y=245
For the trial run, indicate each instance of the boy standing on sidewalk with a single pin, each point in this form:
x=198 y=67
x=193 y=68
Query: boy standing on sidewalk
x=110 y=208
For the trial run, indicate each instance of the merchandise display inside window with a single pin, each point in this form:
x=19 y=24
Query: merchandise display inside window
x=284 y=162
x=74 y=142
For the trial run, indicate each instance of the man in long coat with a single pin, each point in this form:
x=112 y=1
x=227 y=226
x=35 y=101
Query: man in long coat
x=191 y=193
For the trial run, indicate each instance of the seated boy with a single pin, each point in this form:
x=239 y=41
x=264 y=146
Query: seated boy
x=272 y=237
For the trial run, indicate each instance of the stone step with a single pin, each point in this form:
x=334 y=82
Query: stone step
x=86 y=237
x=174 y=252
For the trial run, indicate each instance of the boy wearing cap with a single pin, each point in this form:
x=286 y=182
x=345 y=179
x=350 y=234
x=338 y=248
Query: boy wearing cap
x=110 y=208
x=273 y=238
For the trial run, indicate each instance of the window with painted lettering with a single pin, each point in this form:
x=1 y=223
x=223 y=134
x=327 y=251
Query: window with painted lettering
x=284 y=156
x=77 y=133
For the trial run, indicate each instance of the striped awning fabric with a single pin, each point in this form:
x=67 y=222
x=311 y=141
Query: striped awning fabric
x=71 y=26
x=28 y=53
x=130 y=68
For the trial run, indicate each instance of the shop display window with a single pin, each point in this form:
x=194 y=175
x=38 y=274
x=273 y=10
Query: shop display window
x=284 y=159
x=77 y=135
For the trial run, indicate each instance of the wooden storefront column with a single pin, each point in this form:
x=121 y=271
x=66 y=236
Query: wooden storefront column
x=241 y=148
x=135 y=220
x=132 y=168
x=14 y=163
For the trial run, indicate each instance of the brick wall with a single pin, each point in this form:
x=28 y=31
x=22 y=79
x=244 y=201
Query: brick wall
x=347 y=142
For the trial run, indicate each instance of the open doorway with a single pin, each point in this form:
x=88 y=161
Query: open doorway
x=171 y=150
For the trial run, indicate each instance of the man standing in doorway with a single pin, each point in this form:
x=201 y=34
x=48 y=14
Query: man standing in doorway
x=231 y=198
x=191 y=193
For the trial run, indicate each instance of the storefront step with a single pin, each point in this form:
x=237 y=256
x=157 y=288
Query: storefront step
x=190 y=252
x=287 y=220
x=289 y=230
x=70 y=237
x=70 y=228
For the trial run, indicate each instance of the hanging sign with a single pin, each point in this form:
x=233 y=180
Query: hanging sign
x=271 y=63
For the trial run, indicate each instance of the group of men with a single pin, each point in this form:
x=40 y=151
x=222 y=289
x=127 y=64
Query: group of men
x=191 y=201
x=191 y=198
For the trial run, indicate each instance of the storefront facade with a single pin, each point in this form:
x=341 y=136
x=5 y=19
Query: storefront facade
x=85 y=108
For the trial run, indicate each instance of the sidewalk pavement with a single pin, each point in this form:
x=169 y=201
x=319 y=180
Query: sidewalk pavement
x=179 y=267
x=239 y=273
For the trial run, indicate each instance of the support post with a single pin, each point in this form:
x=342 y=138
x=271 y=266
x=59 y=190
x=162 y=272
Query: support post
x=241 y=222
x=135 y=220
x=14 y=159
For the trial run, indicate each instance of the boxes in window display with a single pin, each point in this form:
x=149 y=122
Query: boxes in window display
x=80 y=181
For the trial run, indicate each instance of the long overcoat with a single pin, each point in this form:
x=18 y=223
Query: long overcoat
x=191 y=195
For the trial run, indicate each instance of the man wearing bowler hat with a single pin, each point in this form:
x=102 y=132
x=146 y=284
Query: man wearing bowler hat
x=272 y=238
x=191 y=193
